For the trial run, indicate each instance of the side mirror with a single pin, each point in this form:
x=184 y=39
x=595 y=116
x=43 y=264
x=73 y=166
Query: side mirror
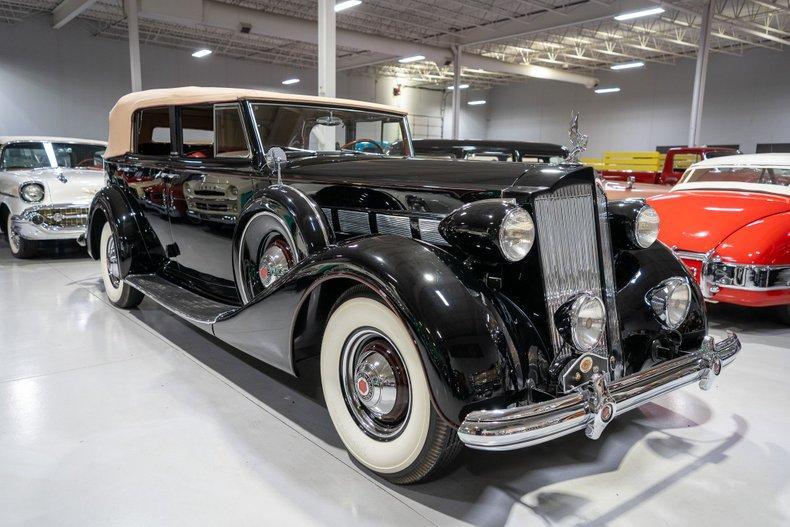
x=275 y=159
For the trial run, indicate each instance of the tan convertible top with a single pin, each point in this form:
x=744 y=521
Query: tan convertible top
x=120 y=140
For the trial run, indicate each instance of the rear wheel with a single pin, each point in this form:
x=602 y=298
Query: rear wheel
x=118 y=292
x=20 y=247
x=377 y=393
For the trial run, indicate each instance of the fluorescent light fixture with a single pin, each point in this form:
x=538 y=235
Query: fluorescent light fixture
x=347 y=4
x=628 y=65
x=290 y=81
x=413 y=58
x=639 y=14
x=607 y=90
x=460 y=87
x=202 y=53
x=476 y=103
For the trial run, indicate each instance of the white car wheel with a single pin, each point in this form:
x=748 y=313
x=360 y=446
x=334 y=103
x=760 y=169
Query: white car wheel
x=377 y=393
x=20 y=247
x=118 y=292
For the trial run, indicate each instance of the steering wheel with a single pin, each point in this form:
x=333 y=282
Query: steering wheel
x=351 y=144
x=85 y=163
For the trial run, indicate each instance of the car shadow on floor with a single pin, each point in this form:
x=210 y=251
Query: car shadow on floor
x=479 y=487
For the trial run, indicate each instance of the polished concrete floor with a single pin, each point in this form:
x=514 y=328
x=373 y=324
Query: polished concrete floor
x=135 y=418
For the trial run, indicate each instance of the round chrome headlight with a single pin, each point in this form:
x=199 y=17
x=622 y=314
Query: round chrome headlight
x=646 y=227
x=587 y=319
x=516 y=234
x=32 y=192
x=671 y=301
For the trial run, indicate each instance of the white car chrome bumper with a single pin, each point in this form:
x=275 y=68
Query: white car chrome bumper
x=65 y=221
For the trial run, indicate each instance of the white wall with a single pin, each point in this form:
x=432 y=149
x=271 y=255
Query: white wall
x=747 y=101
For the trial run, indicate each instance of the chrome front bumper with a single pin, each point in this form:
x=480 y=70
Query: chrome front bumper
x=592 y=406
x=51 y=222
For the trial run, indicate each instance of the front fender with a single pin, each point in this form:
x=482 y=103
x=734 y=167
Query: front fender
x=763 y=242
x=464 y=335
x=636 y=273
x=110 y=205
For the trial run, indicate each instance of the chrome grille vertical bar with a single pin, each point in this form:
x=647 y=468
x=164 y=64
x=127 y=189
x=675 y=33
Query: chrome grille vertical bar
x=609 y=298
x=567 y=239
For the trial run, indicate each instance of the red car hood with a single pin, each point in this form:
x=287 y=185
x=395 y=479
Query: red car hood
x=699 y=220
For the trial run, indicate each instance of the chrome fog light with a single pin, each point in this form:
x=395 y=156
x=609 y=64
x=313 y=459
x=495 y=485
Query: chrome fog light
x=582 y=321
x=671 y=300
x=516 y=234
x=646 y=227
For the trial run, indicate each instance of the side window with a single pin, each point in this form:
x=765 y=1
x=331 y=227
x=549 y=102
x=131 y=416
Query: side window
x=231 y=139
x=213 y=131
x=197 y=131
x=152 y=132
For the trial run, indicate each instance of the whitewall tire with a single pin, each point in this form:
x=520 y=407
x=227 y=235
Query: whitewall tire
x=20 y=247
x=119 y=293
x=394 y=432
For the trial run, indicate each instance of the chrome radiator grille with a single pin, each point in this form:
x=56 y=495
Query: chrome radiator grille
x=565 y=221
x=65 y=217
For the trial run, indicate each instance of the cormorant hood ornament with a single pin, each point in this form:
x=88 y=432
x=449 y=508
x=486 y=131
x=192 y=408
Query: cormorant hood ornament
x=578 y=140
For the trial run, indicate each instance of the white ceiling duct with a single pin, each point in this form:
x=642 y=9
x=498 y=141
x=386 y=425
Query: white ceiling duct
x=216 y=14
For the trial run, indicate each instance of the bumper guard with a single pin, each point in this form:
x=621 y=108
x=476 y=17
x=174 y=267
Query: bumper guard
x=593 y=406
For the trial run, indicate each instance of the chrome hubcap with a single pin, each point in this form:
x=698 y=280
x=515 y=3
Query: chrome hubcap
x=375 y=384
x=113 y=269
x=274 y=262
x=13 y=238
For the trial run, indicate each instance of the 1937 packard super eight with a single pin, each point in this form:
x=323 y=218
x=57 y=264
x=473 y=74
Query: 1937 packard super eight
x=496 y=305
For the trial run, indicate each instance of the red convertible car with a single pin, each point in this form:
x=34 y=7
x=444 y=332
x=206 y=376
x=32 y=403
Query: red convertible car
x=728 y=219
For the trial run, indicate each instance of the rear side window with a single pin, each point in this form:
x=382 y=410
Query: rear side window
x=213 y=131
x=152 y=132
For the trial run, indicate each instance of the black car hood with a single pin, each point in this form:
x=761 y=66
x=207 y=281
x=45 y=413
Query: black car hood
x=410 y=172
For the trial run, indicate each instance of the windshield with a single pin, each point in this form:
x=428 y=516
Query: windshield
x=43 y=154
x=769 y=176
x=310 y=129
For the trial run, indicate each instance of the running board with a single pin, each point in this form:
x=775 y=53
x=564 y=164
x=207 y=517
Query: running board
x=183 y=302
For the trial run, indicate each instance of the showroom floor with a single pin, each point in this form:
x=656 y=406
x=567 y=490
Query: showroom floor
x=136 y=418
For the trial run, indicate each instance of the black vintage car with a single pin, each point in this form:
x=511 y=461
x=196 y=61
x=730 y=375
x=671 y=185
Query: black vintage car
x=496 y=305
x=485 y=150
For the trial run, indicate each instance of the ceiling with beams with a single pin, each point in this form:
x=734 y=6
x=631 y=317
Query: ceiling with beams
x=573 y=35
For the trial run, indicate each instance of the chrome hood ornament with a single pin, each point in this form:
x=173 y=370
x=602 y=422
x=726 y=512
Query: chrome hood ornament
x=578 y=140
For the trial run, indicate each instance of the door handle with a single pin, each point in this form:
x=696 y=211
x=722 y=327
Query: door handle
x=164 y=176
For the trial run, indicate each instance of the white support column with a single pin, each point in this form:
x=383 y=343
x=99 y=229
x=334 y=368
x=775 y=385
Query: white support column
x=134 y=44
x=326 y=48
x=700 y=74
x=456 y=91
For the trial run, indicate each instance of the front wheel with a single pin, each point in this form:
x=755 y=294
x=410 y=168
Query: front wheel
x=20 y=247
x=377 y=393
x=119 y=293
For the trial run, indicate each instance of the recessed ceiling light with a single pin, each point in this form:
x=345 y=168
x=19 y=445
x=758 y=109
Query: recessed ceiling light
x=476 y=103
x=413 y=58
x=202 y=53
x=290 y=81
x=607 y=90
x=460 y=87
x=628 y=65
x=639 y=14
x=347 y=4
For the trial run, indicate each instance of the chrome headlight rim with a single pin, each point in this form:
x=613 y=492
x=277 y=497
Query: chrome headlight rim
x=662 y=296
x=513 y=246
x=646 y=215
x=29 y=186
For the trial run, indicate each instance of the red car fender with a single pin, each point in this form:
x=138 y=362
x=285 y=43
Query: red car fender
x=762 y=242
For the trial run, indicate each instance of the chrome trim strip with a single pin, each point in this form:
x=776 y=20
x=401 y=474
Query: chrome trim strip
x=609 y=293
x=594 y=405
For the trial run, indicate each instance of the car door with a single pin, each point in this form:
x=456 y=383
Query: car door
x=146 y=171
x=210 y=182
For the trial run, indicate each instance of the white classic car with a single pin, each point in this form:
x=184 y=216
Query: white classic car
x=46 y=188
